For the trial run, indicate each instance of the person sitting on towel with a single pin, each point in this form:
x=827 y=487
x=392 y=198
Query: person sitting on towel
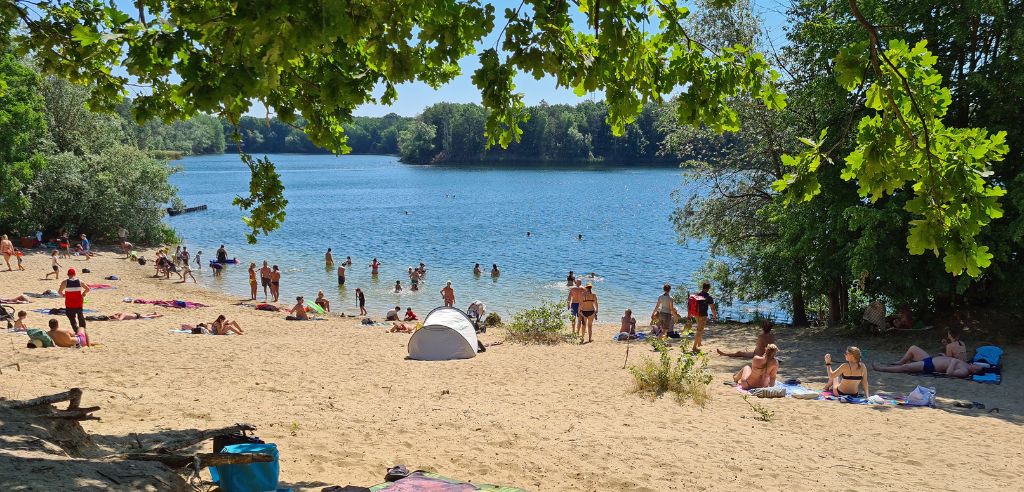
x=847 y=379
x=761 y=371
x=323 y=302
x=939 y=364
x=298 y=312
x=628 y=323
x=763 y=340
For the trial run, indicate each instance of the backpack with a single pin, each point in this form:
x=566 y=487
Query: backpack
x=693 y=305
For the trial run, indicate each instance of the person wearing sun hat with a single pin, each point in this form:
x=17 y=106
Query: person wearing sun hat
x=74 y=290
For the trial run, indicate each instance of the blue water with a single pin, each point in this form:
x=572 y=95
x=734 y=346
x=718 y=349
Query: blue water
x=449 y=218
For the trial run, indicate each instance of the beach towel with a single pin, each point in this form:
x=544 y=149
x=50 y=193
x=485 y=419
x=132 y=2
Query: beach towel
x=622 y=337
x=58 y=311
x=170 y=304
x=43 y=295
x=101 y=286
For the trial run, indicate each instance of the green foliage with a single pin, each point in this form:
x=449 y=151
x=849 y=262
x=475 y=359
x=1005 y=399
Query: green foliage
x=318 y=61
x=416 y=142
x=687 y=378
x=762 y=412
x=94 y=193
x=543 y=324
x=22 y=132
x=903 y=144
x=492 y=320
x=266 y=201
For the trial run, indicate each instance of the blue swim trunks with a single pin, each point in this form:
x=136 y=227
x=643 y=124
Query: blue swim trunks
x=929 y=366
x=574 y=308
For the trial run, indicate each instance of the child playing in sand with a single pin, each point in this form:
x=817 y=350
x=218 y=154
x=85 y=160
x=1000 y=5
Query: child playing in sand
x=19 y=324
x=186 y=272
x=409 y=315
x=56 y=265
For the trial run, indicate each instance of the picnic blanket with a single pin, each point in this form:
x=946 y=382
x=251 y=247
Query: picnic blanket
x=802 y=392
x=174 y=303
x=423 y=481
x=56 y=311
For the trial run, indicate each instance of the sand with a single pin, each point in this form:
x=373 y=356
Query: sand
x=343 y=404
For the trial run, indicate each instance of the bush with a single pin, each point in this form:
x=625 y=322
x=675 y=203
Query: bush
x=492 y=320
x=688 y=378
x=543 y=324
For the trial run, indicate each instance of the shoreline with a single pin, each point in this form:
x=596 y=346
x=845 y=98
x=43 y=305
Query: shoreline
x=343 y=403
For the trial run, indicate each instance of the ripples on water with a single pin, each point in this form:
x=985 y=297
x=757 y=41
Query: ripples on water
x=448 y=218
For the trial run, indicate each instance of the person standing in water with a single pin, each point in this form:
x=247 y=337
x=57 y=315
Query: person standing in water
x=341 y=274
x=494 y=270
x=252 y=281
x=476 y=270
x=264 y=278
x=275 y=283
x=222 y=254
x=573 y=302
x=398 y=286
x=348 y=261
x=362 y=301
x=570 y=279
x=448 y=295
x=329 y=258
x=374 y=267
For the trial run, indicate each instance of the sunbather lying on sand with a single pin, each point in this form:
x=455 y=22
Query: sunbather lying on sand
x=400 y=328
x=16 y=300
x=763 y=340
x=128 y=316
x=939 y=364
x=761 y=371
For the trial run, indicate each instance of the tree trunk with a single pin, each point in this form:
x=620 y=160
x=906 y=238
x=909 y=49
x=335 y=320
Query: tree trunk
x=799 y=309
x=835 y=303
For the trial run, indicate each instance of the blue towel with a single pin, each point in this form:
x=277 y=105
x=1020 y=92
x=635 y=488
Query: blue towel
x=988 y=353
x=990 y=378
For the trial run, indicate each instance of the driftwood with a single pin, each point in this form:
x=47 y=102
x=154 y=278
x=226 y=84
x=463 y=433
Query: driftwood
x=179 y=461
x=73 y=396
x=197 y=438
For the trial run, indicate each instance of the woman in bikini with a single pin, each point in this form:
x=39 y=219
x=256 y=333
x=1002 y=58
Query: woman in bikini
x=252 y=281
x=954 y=347
x=588 y=311
x=130 y=316
x=761 y=371
x=848 y=378
x=222 y=326
x=275 y=283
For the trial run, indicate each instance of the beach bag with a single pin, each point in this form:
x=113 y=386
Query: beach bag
x=921 y=397
x=38 y=338
x=254 y=477
x=692 y=305
x=219 y=442
x=773 y=392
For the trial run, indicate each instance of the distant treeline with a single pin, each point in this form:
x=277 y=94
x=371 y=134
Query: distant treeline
x=443 y=133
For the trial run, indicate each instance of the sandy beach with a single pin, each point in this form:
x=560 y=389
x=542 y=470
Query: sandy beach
x=343 y=403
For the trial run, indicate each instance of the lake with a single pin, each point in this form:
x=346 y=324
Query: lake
x=449 y=218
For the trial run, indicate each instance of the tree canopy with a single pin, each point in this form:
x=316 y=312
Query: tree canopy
x=320 y=60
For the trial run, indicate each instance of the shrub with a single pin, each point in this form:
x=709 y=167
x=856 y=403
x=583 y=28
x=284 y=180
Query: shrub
x=687 y=378
x=543 y=324
x=492 y=320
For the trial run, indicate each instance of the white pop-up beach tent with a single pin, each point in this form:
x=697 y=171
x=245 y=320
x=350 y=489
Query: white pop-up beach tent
x=447 y=334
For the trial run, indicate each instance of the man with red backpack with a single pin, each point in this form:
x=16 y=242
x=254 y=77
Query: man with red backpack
x=697 y=308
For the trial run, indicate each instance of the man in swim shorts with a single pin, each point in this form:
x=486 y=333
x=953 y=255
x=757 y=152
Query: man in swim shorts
x=939 y=364
x=341 y=274
x=265 y=278
x=575 y=295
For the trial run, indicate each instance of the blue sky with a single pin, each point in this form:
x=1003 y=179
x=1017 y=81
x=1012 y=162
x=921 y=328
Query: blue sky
x=412 y=98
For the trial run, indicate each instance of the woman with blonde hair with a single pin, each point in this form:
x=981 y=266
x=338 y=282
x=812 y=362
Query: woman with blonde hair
x=847 y=379
x=761 y=371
